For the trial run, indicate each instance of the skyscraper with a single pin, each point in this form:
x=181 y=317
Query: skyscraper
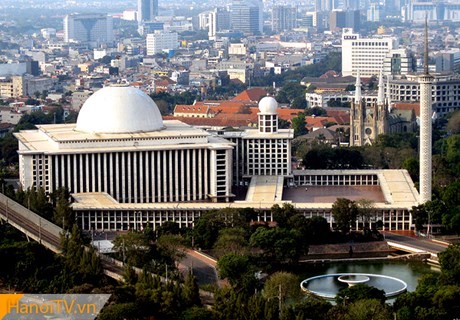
x=247 y=16
x=284 y=18
x=90 y=29
x=425 y=81
x=147 y=10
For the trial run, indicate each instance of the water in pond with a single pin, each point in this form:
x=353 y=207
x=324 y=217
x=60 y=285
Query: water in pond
x=409 y=272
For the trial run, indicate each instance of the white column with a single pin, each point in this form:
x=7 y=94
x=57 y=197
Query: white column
x=182 y=174
x=99 y=173
x=170 y=178
x=206 y=170
x=93 y=172
x=194 y=170
x=106 y=173
x=75 y=174
x=135 y=180
x=117 y=170
x=188 y=175
x=147 y=176
x=123 y=178
x=159 y=177
x=165 y=177
x=87 y=187
x=80 y=173
x=130 y=177
x=140 y=183
x=200 y=175
x=69 y=173
x=425 y=138
x=177 y=191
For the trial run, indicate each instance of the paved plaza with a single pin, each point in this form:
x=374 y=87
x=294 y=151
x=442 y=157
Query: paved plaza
x=328 y=194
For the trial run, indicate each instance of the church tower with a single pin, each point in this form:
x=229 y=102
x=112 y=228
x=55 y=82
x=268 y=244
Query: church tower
x=367 y=121
x=425 y=81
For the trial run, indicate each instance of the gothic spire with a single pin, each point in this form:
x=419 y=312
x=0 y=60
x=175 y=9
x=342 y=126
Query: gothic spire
x=358 y=88
x=381 y=93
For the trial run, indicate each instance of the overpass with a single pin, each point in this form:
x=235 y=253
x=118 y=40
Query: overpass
x=48 y=234
x=415 y=245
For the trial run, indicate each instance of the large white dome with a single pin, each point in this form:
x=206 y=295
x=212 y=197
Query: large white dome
x=268 y=105
x=119 y=109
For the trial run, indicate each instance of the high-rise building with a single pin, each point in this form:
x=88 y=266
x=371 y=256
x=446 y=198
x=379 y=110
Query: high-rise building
x=448 y=61
x=344 y=19
x=92 y=29
x=284 y=18
x=247 y=16
x=161 y=41
x=364 y=54
x=214 y=21
x=147 y=10
x=375 y=12
x=399 y=62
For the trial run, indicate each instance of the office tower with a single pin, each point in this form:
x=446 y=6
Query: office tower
x=92 y=29
x=448 y=60
x=399 y=62
x=425 y=81
x=364 y=54
x=375 y=12
x=214 y=20
x=284 y=18
x=344 y=19
x=161 y=41
x=247 y=16
x=147 y=10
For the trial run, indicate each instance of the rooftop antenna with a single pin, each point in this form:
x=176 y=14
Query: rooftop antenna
x=425 y=64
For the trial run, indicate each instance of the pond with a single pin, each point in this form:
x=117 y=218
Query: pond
x=408 y=272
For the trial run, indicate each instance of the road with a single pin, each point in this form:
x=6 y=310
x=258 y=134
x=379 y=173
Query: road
x=203 y=268
x=418 y=243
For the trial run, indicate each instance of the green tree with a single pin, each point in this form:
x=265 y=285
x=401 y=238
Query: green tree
x=366 y=309
x=235 y=268
x=278 y=245
x=197 y=313
x=231 y=240
x=131 y=247
x=283 y=285
x=299 y=125
x=63 y=213
x=282 y=214
x=191 y=291
x=345 y=212
x=453 y=124
x=366 y=211
x=359 y=292
x=449 y=260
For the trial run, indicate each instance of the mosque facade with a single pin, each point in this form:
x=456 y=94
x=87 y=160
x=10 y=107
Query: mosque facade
x=127 y=168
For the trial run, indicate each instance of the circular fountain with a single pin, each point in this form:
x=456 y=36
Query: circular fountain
x=328 y=285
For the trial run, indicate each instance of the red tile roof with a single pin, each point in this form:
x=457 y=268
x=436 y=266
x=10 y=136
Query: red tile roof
x=197 y=108
x=253 y=94
x=408 y=106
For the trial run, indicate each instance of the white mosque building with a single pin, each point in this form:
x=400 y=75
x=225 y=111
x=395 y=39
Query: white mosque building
x=126 y=167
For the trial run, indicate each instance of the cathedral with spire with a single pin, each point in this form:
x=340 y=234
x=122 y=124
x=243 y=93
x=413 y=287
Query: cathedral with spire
x=371 y=116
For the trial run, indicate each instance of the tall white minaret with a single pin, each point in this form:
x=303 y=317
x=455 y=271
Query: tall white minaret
x=425 y=81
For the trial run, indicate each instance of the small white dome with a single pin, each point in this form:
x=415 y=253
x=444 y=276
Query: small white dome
x=119 y=109
x=268 y=105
